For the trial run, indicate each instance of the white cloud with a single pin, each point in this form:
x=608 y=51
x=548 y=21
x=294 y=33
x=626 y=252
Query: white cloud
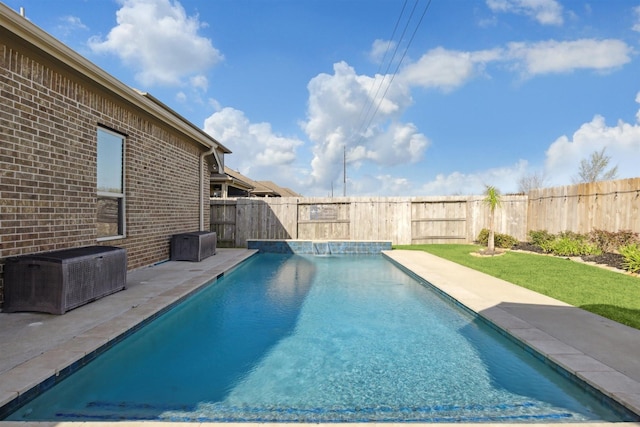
x=378 y=185
x=337 y=122
x=199 y=82
x=503 y=178
x=488 y=22
x=343 y=91
x=389 y=185
x=69 y=24
x=622 y=143
x=546 y=12
x=215 y=104
x=379 y=50
x=258 y=152
x=447 y=69
x=564 y=57
x=399 y=143
x=636 y=12
x=337 y=119
x=158 y=40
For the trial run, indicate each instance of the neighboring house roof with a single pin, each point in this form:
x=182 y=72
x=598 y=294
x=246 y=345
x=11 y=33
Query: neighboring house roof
x=13 y=24
x=233 y=178
x=262 y=190
x=269 y=188
x=237 y=179
x=290 y=192
x=255 y=188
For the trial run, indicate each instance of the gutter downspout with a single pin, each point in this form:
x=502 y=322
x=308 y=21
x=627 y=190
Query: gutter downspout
x=211 y=150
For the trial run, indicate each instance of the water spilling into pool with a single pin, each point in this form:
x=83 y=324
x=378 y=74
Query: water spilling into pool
x=317 y=339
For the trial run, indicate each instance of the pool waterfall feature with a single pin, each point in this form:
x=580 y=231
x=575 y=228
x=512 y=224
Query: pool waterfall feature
x=321 y=248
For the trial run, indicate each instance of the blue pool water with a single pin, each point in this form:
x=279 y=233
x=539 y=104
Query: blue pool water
x=317 y=339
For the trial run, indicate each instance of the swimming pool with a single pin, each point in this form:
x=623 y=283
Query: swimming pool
x=316 y=339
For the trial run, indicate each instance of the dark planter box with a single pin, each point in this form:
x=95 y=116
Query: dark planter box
x=58 y=281
x=194 y=246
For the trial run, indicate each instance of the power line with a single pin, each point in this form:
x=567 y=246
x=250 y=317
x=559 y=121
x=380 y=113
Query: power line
x=395 y=72
x=367 y=120
x=371 y=99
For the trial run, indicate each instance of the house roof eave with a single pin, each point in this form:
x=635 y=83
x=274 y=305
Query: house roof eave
x=42 y=41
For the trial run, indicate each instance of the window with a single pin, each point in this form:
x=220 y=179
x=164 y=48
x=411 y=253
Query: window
x=216 y=190
x=110 y=180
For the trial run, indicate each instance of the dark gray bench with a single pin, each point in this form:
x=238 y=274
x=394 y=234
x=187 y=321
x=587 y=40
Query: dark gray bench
x=193 y=246
x=58 y=281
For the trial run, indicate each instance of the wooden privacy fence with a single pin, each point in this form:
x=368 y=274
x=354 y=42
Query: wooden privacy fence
x=449 y=219
x=610 y=205
x=607 y=205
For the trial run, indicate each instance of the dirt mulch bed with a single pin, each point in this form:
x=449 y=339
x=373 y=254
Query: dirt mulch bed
x=526 y=246
x=607 y=259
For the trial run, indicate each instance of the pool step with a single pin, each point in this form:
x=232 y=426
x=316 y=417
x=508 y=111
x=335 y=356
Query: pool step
x=218 y=412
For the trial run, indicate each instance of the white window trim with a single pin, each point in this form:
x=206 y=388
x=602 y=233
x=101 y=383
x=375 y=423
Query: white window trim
x=121 y=196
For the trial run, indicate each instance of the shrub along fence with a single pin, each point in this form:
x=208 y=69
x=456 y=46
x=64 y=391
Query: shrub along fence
x=610 y=205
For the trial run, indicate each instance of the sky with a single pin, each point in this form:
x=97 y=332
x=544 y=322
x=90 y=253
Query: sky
x=411 y=98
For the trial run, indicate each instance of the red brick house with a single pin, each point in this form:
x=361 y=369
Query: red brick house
x=86 y=160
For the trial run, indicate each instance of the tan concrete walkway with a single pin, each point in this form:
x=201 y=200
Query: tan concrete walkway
x=36 y=346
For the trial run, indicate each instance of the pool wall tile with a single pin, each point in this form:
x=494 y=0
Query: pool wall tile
x=319 y=247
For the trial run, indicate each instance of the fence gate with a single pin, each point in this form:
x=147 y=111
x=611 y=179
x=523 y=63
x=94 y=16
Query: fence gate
x=223 y=222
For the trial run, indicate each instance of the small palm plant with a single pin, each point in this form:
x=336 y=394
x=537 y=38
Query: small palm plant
x=493 y=200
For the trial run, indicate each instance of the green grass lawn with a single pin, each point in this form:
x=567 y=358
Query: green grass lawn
x=607 y=293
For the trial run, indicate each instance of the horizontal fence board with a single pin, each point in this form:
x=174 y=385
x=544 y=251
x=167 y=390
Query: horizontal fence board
x=338 y=221
x=439 y=238
x=438 y=219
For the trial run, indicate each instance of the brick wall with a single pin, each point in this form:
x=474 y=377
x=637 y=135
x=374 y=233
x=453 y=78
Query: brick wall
x=48 y=123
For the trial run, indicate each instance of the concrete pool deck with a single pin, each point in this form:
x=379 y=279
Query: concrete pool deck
x=37 y=346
